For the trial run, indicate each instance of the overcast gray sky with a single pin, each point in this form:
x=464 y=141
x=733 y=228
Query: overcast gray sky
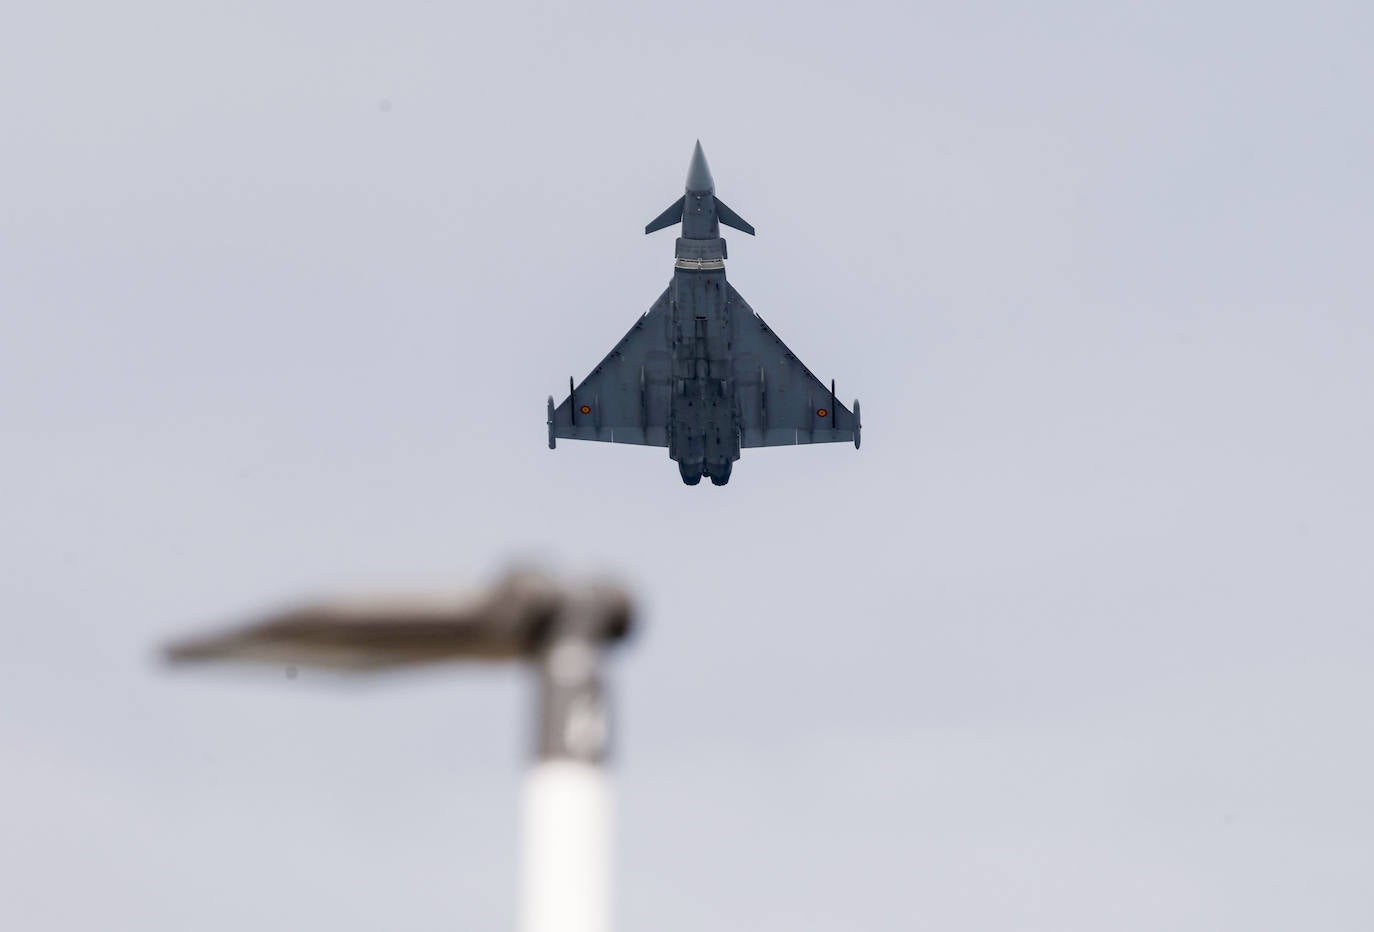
x=1080 y=640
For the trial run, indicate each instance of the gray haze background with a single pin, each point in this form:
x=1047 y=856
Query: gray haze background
x=1080 y=640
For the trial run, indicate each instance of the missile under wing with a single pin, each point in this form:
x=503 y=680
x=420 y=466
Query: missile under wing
x=700 y=373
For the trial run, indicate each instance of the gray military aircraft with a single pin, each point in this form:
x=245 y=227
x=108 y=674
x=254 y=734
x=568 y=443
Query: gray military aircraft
x=700 y=373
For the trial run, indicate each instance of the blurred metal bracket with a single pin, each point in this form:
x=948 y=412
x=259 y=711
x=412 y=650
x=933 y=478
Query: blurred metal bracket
x=561 y=632
x=512 y=621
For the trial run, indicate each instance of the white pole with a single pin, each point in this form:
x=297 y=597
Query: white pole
x=565 y=881
x=566 y=848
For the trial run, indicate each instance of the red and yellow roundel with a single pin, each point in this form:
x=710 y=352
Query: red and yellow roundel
x=821 y=412
x=585 y=409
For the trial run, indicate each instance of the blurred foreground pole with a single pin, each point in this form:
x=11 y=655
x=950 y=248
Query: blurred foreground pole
x=563 y=633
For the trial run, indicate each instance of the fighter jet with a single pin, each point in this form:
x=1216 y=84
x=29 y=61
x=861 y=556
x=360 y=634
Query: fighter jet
x=700 y=373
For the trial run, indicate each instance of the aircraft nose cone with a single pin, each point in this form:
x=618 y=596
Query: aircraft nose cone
x=699 y=173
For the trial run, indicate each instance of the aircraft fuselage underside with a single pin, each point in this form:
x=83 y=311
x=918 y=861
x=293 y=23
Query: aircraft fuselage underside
x=703 y=433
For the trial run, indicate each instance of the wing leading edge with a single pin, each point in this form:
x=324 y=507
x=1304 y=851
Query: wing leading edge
x=626 y=397
x=780 y=402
